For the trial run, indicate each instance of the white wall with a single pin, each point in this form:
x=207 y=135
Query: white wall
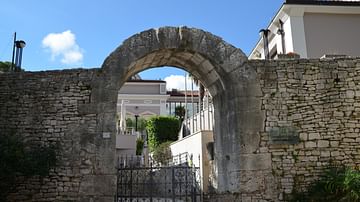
x=332 y=34
x=125 y=141
x=195 y=145
x=298 y=36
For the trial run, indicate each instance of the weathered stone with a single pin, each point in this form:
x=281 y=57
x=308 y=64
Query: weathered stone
x=75 y=107
x=323 y=143
x=310 y=144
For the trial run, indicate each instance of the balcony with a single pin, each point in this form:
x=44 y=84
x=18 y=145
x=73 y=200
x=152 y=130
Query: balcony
x=126 y=139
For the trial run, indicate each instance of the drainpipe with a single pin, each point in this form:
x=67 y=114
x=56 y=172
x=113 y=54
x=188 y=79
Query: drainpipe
x=265 y=33
x=282 y=33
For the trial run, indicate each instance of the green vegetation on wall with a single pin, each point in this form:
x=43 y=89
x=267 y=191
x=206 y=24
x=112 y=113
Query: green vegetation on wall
x=162 y=129
x=5 y=66
x=337 y=184
x=22 y=159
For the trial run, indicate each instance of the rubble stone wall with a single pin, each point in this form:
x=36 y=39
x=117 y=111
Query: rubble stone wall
x=319 y=100
x=47 y=107
x=278 y=123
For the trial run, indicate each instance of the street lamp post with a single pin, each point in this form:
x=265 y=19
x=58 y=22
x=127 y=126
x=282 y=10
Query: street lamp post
x=136 y=122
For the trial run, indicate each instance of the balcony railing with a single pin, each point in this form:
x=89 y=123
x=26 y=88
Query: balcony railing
x=203 y=120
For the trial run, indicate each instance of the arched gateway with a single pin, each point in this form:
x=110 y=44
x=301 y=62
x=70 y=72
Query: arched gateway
x=222 y=68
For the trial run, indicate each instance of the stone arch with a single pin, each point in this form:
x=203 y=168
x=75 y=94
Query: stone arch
x=221 y=67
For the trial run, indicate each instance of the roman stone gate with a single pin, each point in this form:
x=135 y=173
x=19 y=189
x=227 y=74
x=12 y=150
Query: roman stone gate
x=76 y=109
x=222 y=69
x=278 y=123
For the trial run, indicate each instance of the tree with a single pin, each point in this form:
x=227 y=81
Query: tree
x=180 y=112
x=201 y=88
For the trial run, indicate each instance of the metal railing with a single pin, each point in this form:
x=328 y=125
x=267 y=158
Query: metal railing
x=175 y=183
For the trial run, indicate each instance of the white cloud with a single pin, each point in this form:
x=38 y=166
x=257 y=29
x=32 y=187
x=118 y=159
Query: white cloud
x=72 y=57
x=178 y=82
x=63 y=45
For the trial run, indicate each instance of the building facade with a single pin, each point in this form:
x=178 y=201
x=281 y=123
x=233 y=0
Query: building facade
x=137 y=99
x=144 y=98
x=311 y=29
x=187 y=99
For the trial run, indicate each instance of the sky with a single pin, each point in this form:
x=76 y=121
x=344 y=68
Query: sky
x=65 y=34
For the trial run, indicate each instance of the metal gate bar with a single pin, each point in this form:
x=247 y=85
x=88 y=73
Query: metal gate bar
x=176 y=183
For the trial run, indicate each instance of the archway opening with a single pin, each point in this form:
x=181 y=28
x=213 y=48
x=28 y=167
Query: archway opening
x=222 y=69
x=169 y=93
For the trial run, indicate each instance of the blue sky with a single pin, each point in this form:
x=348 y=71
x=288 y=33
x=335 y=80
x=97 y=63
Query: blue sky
x=63 y=34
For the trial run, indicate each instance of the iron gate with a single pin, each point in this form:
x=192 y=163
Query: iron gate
x=158 y=184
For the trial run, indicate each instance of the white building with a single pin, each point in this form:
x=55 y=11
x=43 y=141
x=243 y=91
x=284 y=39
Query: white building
x=137 y=99
x=312 y=29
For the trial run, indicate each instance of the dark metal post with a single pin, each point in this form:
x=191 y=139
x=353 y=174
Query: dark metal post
x=173 y=183
x=136 y=122
x=131 y=183
x=151 y=185
x=13 y=54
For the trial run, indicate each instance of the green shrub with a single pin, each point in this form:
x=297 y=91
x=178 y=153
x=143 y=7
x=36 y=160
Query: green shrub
x=162 y=129
x=141 y=123
x=22 y=159
x=162 y=153
x=5 y=66
x=337 y=184
x=139 y=146
x=129 y=123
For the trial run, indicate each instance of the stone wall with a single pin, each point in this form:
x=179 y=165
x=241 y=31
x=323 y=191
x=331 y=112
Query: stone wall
x=45 y=107
x=310 y=109
x=318 y=101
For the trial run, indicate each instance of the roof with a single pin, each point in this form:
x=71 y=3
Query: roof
x=146 y=81
x=325 y=2
x=181 y=93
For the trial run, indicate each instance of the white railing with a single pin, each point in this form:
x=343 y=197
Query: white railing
x=203 y=120
x=127 y=131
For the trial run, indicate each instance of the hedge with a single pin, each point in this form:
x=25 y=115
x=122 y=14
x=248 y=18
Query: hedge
x=162 y=129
